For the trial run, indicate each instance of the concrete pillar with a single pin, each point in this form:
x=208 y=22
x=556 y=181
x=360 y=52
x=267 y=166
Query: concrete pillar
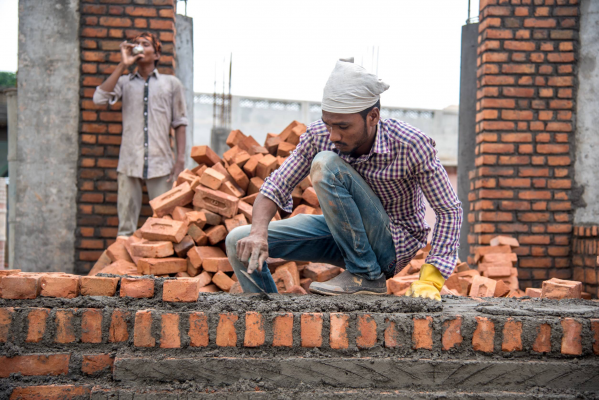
x=587 y=117
x=184 y=71
x=45 y=179
x=467 y=127
x=11 y=103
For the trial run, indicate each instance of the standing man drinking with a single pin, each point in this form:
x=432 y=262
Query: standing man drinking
x=371 y=177
x=152 y=104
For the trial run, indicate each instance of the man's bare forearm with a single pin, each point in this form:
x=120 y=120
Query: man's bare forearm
x=264 y=210
x=110 y=82
x=180 y=138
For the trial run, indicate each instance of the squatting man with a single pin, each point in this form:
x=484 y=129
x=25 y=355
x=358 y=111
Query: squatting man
x=371 y=176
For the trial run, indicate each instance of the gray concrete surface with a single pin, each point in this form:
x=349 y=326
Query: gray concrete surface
x=184 y=71
x=12 y=105
x=587 y=115
x=387 y=373
x=47 y=146
x=466 y=130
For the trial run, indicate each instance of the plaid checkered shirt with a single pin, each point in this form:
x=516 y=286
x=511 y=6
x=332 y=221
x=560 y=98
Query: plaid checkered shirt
x=401 y=167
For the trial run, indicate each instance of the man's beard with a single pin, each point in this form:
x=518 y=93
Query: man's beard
x=352 y=152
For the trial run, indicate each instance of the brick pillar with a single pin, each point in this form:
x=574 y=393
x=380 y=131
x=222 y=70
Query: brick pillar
x=585 y=247
x=522 y=182
x=104 y=25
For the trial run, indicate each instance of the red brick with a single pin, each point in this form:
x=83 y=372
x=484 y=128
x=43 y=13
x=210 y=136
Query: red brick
x=283 y=330
x=595 y=330
x=98 y=286
x=254 y=329
x=65 y=286
x=137 y=288
x=142 y=331
x=311 y=329
x=226 y=335
x=5 y=321
x=35 y=365
x=561 y=81
x=367 y=336
x=452 y=333
x=162 y=24
x=141 y=11
x=20 y=286
x=181 y=290
x=115 y=22
x=170 y=337
x=51 y=392
x=92 y=9
x=422 y=335
x=512 y=335
x=484 y=335
x=91 y=326
x=571 y=339
x=36 y=321
x=95 y=33
x=198 y=330
x=540 y=23
x=391 y=335
x=338 y=338
x=94 y=363
x=65 y=329
x=118 y=331
x=518 y=92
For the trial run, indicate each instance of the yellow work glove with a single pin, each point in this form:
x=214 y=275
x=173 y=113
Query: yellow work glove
x=428 y=285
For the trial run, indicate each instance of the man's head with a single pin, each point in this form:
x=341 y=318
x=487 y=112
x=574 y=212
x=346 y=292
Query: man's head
x=352 y=133
x=351 y=107
x=152 y=47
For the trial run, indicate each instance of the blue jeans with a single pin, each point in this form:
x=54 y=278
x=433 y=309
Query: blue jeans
x=352 y=233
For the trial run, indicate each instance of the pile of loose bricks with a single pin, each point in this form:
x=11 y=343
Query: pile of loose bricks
x=496 y=276
x=184 y=238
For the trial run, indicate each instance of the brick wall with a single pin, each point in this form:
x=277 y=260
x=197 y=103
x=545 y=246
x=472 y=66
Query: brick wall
x=585 y=248
x=86 y=346
x=104 y=25
x=522 y=182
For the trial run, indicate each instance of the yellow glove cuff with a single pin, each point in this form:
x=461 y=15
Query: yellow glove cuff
x=430 y=273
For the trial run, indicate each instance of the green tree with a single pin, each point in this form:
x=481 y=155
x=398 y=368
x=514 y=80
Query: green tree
x=8 y=79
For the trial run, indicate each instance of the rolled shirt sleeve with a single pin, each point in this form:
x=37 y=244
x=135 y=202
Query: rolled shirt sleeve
x=434 y=183
x=102 y=97
x=179 y=105
x=279 y=185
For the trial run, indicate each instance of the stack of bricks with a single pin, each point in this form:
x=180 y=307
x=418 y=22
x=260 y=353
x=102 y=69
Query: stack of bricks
x=185 y=237
x=104 y=25
x=522 y=182
x=496 y=275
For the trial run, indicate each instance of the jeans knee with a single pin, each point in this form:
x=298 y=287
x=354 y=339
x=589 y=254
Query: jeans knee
x=234 y=236
x=320 y=161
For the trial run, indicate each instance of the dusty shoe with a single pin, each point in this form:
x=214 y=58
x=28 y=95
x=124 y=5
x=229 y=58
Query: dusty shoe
x=348 y=283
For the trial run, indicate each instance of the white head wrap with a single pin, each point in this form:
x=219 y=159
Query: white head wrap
x=351 y=89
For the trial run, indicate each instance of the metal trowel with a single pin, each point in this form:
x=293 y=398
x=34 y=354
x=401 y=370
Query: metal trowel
x=263 y=294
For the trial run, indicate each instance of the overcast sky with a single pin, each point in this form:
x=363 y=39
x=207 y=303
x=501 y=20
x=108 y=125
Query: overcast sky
x=286 y=49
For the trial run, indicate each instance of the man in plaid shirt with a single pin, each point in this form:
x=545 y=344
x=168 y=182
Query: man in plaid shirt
x=371 y=177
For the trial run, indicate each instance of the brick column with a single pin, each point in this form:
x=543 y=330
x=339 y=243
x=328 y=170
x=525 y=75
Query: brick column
x=104 y=25
x=585 y=247
x=522 y=182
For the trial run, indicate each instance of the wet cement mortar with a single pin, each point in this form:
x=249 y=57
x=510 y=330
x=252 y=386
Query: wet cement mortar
x=402 y=311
